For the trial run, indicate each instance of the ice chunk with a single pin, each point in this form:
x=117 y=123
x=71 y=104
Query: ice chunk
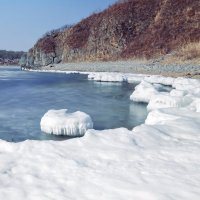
x=60 y=122
x=143 y=92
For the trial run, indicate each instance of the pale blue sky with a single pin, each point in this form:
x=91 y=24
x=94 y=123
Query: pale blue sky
x=22 y=22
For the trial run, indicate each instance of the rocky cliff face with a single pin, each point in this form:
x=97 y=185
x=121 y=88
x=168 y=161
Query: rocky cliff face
x=131 y=28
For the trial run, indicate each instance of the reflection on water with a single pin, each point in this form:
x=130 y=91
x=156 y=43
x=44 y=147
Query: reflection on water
x=26 y=96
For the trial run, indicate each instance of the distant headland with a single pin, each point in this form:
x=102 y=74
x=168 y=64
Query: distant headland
x=10 y=57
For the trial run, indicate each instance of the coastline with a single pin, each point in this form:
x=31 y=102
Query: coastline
x=132 y=67
x=162 y=152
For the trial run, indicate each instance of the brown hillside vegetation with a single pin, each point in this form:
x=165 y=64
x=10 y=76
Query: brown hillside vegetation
x=127 y=29
x=176 y=23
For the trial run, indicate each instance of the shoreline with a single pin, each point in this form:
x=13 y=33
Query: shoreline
x=154 y=154
x=132 y=67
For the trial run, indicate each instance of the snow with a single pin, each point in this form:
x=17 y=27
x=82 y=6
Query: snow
x=111 y=164
x=60 y=122
x=176 y=122
x=158 y=160
x=107 y=77
x=160 y=79
x=178 y=93
x=167 y=101
x=115 y=77
x=143 y=92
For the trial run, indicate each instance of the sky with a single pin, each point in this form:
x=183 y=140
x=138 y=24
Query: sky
x=23 y=22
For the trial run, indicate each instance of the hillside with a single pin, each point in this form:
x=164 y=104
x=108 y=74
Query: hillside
x=128 y=29
x=10 y=57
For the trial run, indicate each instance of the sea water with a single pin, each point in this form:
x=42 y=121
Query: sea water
x=26 y=96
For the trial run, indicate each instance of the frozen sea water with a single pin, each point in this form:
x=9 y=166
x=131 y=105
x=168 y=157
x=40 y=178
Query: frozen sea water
x=26 y=96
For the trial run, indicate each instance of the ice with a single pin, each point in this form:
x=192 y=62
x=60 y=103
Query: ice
x=159 y=161
x=134 y=78
x=156 y=160
x=186 y=83
x=178 y=93
x=160 y=79
x=186 y=93
x=179 y=123
x=60 y=122
x=195 y=105
x=167 y=101
x=143 y=92
x=115 y=77
x=107 y=77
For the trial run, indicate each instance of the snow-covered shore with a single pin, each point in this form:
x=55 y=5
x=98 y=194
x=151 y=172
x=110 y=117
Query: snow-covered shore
x=157 y=160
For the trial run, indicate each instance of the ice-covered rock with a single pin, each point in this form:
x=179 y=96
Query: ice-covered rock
x=143 y=92
x=60 y=122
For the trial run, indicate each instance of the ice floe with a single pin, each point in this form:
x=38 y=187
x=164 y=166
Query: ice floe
x=60 y=122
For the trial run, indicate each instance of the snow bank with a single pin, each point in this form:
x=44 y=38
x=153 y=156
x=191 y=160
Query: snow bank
x=59 y=122
x=152 y=162
x=176 y=122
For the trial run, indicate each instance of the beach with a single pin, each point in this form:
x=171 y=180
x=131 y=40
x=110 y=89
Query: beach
x=134 y=67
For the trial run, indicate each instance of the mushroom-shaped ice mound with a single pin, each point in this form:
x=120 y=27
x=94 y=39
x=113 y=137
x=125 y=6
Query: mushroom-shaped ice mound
x=60 y=122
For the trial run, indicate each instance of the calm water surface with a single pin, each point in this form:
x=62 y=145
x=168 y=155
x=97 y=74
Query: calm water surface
x=26 y=96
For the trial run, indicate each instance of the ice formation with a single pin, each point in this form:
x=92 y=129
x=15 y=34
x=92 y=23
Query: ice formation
x=107 y=77
x=157 y=160
x=143 y=92
x=60 y=122
x=115 y=77
x=186 y=93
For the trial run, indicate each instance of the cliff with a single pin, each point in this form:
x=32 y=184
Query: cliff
x=127 y=29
